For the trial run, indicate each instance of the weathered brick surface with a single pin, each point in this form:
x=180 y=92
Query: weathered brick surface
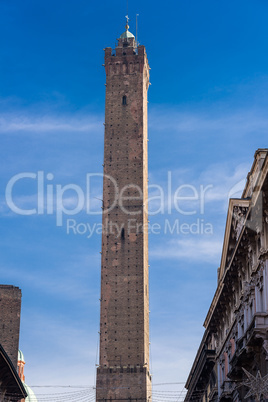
x=10 y=308
x=123 y=373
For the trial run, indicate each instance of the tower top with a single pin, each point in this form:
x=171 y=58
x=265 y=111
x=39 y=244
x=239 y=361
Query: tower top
x=127 y=34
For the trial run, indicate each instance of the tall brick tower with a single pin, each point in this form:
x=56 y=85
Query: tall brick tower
x=123 y=372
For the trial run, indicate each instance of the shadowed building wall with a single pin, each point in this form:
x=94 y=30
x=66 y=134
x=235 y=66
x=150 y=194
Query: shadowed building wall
x=10 y=308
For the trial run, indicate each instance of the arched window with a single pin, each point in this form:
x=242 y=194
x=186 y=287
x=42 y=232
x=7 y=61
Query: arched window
x=124 y=100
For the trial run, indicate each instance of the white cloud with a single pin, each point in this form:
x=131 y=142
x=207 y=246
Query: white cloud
x=205 y=249
x=214 y=186
x=70 y=282
x=17 y=122
x=209 y=121
x=223 y=179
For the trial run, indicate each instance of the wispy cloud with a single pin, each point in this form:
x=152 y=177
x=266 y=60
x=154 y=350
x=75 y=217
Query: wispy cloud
x=226 y=181
x=205 y=249
x=17 y=123
x=73 y=282
x=210 y=188
x=209 y=121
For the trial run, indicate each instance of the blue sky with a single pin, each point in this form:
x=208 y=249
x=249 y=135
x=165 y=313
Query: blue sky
x=207 y=116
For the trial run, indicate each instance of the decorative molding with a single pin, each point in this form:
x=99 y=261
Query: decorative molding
x=239 y=218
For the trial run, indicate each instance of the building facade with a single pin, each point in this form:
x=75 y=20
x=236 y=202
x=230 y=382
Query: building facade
x=233 y=356
x=11 y=387
x=10 y=309
x=123 y=372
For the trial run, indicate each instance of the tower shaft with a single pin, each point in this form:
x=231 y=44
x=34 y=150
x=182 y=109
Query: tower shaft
x=123 y=372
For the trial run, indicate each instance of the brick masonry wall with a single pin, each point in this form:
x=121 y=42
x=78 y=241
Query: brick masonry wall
x=124 y=326
x=10 y=308
x=124 y=384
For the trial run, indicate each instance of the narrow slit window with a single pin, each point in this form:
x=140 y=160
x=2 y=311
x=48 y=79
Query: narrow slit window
x=124 y=100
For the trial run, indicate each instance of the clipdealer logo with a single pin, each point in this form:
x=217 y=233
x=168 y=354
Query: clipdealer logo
x=173 y=227
x=64 y=201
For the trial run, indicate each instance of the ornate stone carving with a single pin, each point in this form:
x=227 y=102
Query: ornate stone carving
x=239 y=214
x=265 y=347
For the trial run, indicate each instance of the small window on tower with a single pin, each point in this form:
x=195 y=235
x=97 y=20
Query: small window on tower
x=124 y=100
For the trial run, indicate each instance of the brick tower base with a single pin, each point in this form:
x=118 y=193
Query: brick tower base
x=123 y=384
